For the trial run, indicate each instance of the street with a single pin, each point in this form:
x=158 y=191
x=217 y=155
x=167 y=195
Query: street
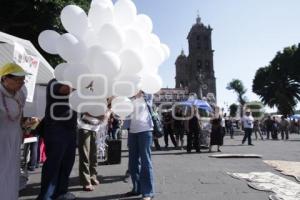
x=194 y=176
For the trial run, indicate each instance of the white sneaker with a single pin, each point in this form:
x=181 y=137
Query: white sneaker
x=67 y=196
x=146 y=198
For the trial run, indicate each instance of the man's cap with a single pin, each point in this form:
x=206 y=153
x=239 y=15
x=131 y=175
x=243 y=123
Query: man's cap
x=12 y=69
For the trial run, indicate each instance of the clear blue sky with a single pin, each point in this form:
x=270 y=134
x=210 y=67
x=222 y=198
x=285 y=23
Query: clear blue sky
x=246 y=35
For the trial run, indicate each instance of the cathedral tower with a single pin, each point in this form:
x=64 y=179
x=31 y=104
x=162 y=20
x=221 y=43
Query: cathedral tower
x=196 y=71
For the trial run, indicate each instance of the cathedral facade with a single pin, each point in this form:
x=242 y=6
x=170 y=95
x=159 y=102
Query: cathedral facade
x=196 y=70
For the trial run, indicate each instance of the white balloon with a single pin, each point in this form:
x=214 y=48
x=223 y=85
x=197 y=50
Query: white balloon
x=90 y=38
x=131 y=62
x=151 y=83
x=143 y=22
x=154 y=39
x=111 y=38
x=81 y=103
x=92 y=53
x=75 y=101
x=106 y=63
x=153 y=57
x=165 y=50
x=122 y=106
x=134 y=40
x=127 y=85
x=105 y=3
x=70 y=48
x=73 y=73
x=99 y=15
x=74 y=20
x=125 y=12
x=59 y=71
x=47 y=40
x=94 y=108
x=98 y=84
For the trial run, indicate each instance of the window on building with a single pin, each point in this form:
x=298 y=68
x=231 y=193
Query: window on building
x=198 y=45
x=207 y=64
x=199 y=65
x=206 y=42
x=198 y=37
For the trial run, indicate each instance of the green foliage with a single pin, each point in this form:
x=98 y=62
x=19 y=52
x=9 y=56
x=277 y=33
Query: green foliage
x=28 y=18
x=237 y=86
x=233 y=110
x=278 y=84
x=256 y=108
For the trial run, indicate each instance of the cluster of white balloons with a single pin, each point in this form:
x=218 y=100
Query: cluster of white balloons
x=111 y=51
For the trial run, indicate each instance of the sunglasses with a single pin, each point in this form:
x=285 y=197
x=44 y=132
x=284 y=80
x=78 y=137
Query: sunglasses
x=17 y=79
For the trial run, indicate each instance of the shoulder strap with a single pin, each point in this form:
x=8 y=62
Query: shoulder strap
x=148 y=106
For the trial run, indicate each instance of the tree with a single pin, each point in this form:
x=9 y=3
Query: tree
x=256 y=108
x=233 y=110
x=278 y=84
x=28 y=18
x=237 y=86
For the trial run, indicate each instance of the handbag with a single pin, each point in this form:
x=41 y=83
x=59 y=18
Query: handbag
x=158 y=130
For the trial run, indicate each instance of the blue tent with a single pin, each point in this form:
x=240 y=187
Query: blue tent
x=199 y=103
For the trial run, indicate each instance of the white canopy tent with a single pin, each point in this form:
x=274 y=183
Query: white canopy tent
x=44 y=75
x=45 y=72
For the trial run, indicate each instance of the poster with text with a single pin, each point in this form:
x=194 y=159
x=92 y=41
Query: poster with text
x=30 y=64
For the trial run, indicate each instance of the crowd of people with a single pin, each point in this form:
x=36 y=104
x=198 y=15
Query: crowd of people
x=62 y=130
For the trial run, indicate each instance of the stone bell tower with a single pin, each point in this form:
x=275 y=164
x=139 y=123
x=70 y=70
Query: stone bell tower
x=196 y=71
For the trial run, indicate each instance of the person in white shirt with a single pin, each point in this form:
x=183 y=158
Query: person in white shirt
x=247 y=123
x=140 y=138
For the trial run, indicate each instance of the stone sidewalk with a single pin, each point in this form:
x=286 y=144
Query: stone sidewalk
x=194 y=176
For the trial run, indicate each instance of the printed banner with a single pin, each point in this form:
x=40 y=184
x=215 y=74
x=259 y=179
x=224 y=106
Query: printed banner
x=29 y=64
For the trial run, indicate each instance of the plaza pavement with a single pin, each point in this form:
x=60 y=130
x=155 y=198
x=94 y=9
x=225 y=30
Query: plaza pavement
x=182 y=176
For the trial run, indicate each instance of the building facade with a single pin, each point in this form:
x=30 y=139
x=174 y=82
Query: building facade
x=196 y=70
x=170 y=96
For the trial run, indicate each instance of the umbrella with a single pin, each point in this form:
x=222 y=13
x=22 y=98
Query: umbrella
x=199 y=104
x=296 y=116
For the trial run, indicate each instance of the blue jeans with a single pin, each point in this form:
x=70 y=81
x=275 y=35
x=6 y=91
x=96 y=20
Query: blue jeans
x=114 y=133
x=248 y=133
x=60 y=151
x=140 y=164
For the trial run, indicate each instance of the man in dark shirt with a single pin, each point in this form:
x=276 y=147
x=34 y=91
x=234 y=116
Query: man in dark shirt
x=168 y=129
x=269 y=126
x=60 y=124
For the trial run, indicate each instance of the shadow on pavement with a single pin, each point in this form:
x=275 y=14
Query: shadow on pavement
x=34 y=189
x=111 y=179
x=111 y=197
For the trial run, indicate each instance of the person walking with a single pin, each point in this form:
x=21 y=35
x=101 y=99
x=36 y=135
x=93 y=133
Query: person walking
x=179 y=127
x=194 y=130
x=230 y=127
x=168 y=129
x=60 y=126
x=269 y=126
x=12 y=101
x=256 y=129
x=140 y=138
x=284 y=128
x=216 y=134
x=275 y=129
x=247 y=122
x=33 y=147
